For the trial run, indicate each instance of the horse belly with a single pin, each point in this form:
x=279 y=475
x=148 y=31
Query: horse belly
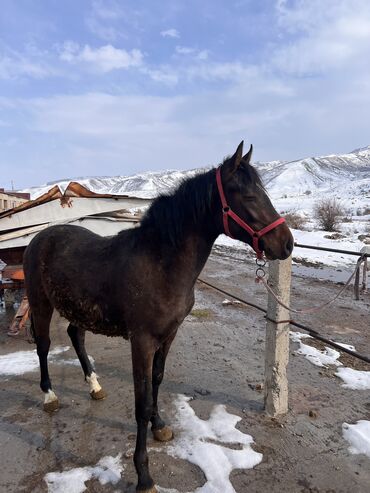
x=90 y=316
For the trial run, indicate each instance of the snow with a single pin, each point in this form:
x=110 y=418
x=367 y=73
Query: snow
x=354 y=379
x=317 y=238
x=319 y=358
x=215 y=445
x=207 y=444
x=226 y=302
x=25 y=361
x=107 y=470
x=358 y=435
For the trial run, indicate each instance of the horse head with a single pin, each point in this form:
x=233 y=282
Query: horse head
x=247 y=212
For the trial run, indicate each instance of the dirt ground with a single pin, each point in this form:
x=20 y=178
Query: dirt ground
x=218 y=358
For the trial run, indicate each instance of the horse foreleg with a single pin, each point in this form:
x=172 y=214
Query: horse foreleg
x=160 y=431
x=143 y=351
x=77 y=337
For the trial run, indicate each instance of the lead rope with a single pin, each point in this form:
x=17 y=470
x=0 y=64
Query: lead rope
x=260 y=277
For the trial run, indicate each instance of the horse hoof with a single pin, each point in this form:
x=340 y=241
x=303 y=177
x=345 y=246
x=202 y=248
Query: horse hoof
x=51 y=406
x=164 y=434
x=99 y=395
x=153 y=489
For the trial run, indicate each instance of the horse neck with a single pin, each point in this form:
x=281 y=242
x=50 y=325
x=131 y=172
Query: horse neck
x=185 y=241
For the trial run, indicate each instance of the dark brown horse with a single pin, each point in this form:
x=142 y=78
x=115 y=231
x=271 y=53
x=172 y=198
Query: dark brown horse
x=140 y=283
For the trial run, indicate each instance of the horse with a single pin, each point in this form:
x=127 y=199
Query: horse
x=139 y=284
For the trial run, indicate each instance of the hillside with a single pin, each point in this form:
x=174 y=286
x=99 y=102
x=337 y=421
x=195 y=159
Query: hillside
x=292 y=184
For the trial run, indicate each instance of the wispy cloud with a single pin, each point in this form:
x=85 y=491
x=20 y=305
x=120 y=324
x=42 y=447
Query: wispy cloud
x=328 y=35
x=102 y=20
x=15 y=65
x=107 y=10
x=198 y=54
x=170 y=33
x=103 y=59
x=184 y=50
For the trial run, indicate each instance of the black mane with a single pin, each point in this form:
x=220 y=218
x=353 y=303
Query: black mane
x=171 y=214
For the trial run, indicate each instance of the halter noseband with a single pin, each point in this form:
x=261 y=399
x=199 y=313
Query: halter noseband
x=228 y=212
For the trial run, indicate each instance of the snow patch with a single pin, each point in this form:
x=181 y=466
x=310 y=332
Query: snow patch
x=358 y=435
x=201 y=442
x=226 y=302
x=107 y=470
x=319 y=358
x=25 y=361
x=354 y=379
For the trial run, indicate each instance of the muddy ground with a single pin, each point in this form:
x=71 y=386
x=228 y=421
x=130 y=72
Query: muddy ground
x=217 y=357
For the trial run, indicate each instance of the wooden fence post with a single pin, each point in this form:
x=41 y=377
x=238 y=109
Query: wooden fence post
x=277 y=339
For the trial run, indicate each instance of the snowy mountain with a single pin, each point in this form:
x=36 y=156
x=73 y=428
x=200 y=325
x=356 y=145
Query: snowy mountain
x=291 y=184
x=147 y=185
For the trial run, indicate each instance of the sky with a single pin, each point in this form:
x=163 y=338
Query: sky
x=93 y=87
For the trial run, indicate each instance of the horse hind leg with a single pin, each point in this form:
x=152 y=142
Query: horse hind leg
x=77 y=337
x=41 y=325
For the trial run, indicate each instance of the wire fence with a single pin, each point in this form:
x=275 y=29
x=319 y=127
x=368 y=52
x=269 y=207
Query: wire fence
x=312 y=332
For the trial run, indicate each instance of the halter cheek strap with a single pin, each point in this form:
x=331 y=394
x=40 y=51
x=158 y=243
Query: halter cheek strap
x=228 y=212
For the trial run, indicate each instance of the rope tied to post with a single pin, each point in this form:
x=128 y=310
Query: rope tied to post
x=260 y=277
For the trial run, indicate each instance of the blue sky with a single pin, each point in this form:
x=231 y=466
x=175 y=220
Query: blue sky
x=91 y=87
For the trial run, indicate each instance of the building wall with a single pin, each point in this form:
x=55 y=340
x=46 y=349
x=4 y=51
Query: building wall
x=9 y=201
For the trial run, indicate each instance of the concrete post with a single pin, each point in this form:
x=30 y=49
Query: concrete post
x=277 y=339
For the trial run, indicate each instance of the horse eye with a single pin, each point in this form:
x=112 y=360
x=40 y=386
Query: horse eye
x=249 y=198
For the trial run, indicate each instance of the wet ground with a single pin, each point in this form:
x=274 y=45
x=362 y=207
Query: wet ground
x=218 y=358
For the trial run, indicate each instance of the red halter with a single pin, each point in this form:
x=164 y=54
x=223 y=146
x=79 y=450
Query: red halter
x=227 y=212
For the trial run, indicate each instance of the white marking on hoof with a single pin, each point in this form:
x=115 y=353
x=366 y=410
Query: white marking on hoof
x=93 y=382
x=50 y=397
x=51 y=402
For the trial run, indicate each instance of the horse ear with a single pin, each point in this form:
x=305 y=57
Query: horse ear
x=236 y=159
x=248 y=156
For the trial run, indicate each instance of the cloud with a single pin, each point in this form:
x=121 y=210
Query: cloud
x=164 y=75
x=100 y=133
x=198 y=54
x=322 y=36
x=105 y=20
x=107 y=10
x=184 y=50
x=103 y=59
x=203 y=55
x=170 y=33
x=15 y=65
x=306 y=92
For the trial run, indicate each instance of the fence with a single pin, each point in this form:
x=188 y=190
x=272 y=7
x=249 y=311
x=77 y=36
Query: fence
x=277 y=327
